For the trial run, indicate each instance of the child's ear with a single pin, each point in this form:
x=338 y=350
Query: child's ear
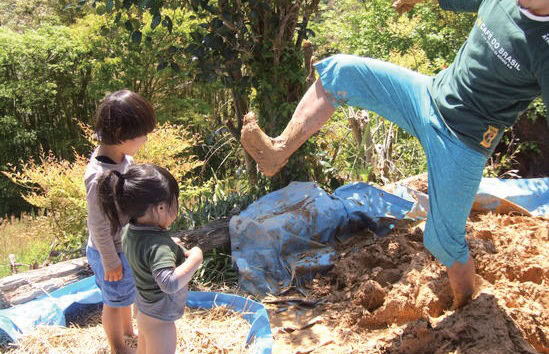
x=157 y=209
x=160 y=207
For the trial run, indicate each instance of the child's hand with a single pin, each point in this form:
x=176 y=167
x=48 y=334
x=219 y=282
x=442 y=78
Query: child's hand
x=114 y=274
x=185 y=271
x=195 y=253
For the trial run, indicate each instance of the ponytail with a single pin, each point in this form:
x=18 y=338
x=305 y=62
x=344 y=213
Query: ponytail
x=110 y=187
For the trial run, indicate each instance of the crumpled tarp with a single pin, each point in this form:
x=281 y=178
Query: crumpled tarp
x=283 y=238
x=57 y=306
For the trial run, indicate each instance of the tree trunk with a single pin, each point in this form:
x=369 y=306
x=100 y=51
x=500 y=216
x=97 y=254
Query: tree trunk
x=212 y=235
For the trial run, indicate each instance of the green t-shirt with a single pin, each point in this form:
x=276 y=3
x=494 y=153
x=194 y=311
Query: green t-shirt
x=499 y=70
x=149 y=249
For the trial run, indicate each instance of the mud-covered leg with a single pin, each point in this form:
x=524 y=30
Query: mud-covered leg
x=271 y=154
x=462 y=281
x=455 y=171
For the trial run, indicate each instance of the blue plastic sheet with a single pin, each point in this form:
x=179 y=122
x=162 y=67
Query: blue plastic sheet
x=49 y=309
x=531 y=194
x=274 y=241
x=53 y=309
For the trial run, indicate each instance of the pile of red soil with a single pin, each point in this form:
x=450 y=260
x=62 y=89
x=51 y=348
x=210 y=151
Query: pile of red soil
x=389 y=295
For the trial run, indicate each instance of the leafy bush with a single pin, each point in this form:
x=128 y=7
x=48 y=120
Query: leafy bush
x=170 y=147
x=536 y=110
x=140 y=63
x=52 y=77
x=56 y=185
x=43 y=80
x=225 y=199
x=214 y=204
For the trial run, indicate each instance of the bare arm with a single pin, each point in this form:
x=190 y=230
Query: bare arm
x=171 y=280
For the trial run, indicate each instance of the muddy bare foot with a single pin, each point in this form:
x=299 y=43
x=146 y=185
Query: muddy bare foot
x=479 y=286
x=266 y=151
x=461 y=301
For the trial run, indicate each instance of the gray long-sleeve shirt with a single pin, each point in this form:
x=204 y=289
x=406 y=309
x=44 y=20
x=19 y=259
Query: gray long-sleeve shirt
x=100 y=235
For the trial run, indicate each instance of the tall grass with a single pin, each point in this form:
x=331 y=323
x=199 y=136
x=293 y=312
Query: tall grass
x=28 y=238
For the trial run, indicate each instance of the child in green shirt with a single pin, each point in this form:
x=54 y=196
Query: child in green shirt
x=147 y=196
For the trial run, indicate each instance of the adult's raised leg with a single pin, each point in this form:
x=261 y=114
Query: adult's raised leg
x=271 y=154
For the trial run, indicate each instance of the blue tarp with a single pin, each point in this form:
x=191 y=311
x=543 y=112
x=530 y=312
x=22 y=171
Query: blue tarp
x=531 y=194
x=49 y=309
x=54 y=308
x=276 y=240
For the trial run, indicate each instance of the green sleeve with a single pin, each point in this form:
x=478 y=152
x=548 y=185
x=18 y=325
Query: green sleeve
x=460 y=5
x=161 y=256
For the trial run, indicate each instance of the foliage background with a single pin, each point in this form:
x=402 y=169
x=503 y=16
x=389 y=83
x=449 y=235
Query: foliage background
x=203 y=64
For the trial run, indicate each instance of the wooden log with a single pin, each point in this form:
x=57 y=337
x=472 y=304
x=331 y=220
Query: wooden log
x=213 y=235
x=22 y=287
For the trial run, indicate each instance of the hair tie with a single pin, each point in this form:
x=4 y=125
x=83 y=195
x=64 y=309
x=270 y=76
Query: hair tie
x=118 y=174
x=119 y=187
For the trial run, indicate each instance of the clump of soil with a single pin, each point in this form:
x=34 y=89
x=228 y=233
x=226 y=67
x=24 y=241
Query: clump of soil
x=389 y=295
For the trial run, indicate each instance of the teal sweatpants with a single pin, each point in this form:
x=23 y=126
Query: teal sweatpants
x=402 y=96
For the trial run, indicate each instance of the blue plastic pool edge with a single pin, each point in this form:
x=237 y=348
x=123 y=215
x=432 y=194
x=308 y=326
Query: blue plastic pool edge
x=50 y=310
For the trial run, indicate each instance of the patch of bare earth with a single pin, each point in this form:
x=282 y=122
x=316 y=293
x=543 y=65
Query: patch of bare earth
x=389 y=295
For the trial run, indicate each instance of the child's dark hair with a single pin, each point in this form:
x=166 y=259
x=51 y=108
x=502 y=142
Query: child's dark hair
x=123 y=115
x=128 y=195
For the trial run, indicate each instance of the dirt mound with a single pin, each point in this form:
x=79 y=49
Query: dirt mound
x=389 y=295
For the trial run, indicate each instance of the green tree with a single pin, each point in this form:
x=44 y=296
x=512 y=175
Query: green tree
x=43 y=83
x=254 y=48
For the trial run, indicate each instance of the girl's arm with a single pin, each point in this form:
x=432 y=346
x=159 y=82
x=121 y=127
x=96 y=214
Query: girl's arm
x=101 y=234
x=186 y=270
x=171 y=280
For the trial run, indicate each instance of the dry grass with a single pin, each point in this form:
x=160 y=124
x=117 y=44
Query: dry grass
x=28 y=238
x=219 y=330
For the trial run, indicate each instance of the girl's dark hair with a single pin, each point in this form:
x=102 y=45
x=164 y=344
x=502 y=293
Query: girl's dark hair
x=128 y=195
x=123 y=115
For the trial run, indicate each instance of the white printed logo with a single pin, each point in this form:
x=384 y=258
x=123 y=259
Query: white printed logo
x=546 y=38
x=495 y=45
